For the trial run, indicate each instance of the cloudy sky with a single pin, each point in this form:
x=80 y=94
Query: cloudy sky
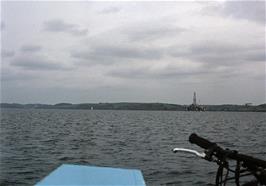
x=133 y=51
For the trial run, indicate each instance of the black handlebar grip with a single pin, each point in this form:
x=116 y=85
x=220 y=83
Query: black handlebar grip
x=203 y=143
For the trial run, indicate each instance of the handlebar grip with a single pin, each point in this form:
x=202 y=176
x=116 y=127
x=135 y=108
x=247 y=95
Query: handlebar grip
x=203 y=143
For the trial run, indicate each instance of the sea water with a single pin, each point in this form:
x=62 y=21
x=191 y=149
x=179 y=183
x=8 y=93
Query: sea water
x=36 y=141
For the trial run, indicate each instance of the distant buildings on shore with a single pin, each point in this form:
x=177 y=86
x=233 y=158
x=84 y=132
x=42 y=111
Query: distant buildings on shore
x=195 y=106
x=248 y=104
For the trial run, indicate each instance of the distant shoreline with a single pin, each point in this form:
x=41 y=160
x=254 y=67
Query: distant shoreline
x=136 y=106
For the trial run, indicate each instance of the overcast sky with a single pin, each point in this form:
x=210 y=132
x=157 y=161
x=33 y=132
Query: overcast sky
x=133 y=51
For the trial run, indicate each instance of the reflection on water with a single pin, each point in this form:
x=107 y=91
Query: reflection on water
x=34 y=142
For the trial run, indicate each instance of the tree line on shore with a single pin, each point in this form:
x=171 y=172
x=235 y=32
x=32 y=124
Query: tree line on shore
x=136 y=106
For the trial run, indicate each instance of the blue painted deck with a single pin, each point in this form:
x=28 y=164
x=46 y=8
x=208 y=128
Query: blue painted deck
x=76 y=175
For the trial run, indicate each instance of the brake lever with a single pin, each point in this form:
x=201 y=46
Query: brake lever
x=199 y=154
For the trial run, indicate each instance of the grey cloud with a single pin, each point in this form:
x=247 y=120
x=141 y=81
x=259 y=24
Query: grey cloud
x=152 y=33
x=36 y=63
x=248 y=10
x=126 y=52
x=143 y=74
x=176 y=73
x=129 y=73
x=58 y=25
x=109 y=54
x=251 y=10
x=259 y=77
x=221 y=53
x=31 y=48
x=2 y=25
x=7 y=53
x=8 y=75
x=110 y=10
x=163 y=73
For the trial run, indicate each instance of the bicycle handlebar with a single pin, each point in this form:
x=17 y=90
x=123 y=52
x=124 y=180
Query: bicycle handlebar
x=203 y=143
x=220 y=152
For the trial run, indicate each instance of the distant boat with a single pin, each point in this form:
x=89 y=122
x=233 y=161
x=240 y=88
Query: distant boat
x=91 y=108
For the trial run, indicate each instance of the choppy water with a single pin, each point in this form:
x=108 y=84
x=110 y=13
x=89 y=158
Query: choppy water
x=34 y=142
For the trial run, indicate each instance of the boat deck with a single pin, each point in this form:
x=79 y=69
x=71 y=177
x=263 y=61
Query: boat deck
x=90 y=175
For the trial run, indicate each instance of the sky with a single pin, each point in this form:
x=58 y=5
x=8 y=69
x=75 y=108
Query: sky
x=90 y=52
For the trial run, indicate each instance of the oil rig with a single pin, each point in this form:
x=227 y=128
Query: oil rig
x=194 y=106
